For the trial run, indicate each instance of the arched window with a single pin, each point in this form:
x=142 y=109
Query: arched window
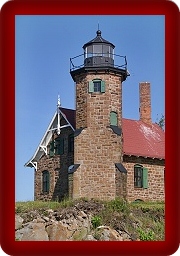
x=113 y=118
x=45 y=181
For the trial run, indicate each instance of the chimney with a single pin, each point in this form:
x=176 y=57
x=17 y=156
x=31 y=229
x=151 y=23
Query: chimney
x=145 y=102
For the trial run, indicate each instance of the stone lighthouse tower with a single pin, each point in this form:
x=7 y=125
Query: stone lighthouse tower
x=98 y=144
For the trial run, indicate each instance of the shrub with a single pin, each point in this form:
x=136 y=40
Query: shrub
x=118 y=205
x=96 y=221
x=149 y=236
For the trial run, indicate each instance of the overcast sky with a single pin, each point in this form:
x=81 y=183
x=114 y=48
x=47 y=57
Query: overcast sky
x=44 y=46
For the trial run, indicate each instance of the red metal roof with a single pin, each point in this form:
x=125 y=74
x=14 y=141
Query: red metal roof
x=140 y=139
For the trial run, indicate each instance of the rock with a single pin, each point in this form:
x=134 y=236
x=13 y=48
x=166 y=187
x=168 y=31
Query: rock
x=80 y=235
x=18 y=222
x=108 y=234
x=82 y=214
x=80 y=219
x=49 y=211
x=74 y=225
x=58 y=232
x=90 y=238
x=46 y=218
x=125 y=236
x=34 y=232
x=40 y=220
x=19 y=233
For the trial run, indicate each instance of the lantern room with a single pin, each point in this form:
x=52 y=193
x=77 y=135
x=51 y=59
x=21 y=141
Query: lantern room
x=98 y=52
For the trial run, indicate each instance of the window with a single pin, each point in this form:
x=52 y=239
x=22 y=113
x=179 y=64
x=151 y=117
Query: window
x=89 y=50
x=97 y=85
x=45 y=181
x=51 y=148
x=59 y=146
x=56 y=147
x=71 y=142
x=113 y=118
x=97 y=49
x=140 y=176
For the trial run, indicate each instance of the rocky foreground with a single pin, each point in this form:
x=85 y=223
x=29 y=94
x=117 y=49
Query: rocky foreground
x=81 y=222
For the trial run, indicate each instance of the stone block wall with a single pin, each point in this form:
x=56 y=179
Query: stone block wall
x=156 y=185
x=121 y=184
x=145 y=102
x=97 y=148
x=81 y=101
x=58 y=169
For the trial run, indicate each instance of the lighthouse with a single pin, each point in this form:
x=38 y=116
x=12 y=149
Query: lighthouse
x=98 y=139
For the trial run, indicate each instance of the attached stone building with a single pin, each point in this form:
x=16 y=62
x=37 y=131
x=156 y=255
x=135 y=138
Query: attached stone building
x=92 y=151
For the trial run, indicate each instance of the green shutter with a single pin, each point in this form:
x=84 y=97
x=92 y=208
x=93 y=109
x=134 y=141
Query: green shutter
x=61 y=146
x=113 y=118
x=51 y=149
x=102 y=86
x=145 y=177
x=57 y=145
x=91 y=86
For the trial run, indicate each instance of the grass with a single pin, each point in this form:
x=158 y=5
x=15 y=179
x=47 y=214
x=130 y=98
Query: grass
x=22 y=207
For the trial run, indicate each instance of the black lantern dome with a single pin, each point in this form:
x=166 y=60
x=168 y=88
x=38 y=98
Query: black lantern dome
x=98 y=52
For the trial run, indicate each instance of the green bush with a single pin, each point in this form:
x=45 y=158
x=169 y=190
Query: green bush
x=149 y=236
x=118 y=205
x=96 y=221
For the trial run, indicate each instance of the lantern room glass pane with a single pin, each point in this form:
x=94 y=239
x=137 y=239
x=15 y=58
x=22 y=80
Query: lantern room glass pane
x=111 y=52
x=106 y=51
x=97 y=50
x=89 y=51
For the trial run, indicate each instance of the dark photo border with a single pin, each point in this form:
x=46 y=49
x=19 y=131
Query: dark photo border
x=7 y=149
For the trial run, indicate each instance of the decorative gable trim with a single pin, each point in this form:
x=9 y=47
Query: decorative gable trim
x=53 y=126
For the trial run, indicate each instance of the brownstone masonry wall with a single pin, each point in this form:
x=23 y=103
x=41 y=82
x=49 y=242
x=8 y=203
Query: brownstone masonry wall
x=57 y=166
x=97 y=148
x=51 y=164
x=156 y=188
x=145 y=102
x=121 y=184
x=81 y=101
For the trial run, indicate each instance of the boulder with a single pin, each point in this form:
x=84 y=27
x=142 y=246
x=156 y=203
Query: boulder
x=34 y=232
x=18 y=222
x=58 y=232
x=90 y=238
x=106 y=233
x=80 y=234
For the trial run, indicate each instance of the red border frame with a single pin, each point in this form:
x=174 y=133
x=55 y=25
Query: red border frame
x=7 y=170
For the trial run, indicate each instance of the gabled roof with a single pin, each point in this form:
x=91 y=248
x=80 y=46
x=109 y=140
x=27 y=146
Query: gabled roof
x=69 y=116
x=141 y=139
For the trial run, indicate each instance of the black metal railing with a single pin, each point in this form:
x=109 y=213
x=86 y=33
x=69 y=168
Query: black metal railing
x=80 y=61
